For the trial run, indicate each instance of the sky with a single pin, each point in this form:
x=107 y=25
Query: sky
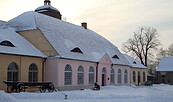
x=116 y=20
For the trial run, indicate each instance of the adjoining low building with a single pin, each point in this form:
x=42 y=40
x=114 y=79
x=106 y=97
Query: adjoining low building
x=138 y=72
x=165 y=71
x=19 y=60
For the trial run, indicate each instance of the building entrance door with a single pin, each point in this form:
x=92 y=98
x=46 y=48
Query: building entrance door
x=104 y=77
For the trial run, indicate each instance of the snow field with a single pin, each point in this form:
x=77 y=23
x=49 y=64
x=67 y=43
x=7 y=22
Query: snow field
x=156 y=93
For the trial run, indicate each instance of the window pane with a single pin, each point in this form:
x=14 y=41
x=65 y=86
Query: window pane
x=134 y=76
x=30 y=76
x=34 y=76
x=112 y=78
x=80 y=78
x=15 y=76
x=91 y=78
x=144 y=77
x=9 y=76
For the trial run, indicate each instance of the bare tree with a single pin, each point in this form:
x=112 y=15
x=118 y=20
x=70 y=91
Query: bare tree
x=165 y=52
x=144 y=40
x=170 y=50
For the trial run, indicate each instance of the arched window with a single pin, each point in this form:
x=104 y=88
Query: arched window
x=33 y=73
x=104 y=70
x=112 y=76
x=68 y=75
x=80 y=75
x=119 y=76
x=91 y=75
x=125 y=76
x=134 y=76
x=144 y=77
x=12 y=74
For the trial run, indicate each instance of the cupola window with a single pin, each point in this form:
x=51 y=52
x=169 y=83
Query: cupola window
x=7 y=43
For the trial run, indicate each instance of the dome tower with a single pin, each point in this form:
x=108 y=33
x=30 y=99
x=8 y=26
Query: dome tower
x=47 y=9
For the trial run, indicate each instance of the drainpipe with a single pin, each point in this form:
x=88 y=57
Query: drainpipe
x=43 y=67
x=97 y=72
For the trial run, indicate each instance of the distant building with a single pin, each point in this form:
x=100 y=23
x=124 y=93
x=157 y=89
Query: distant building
x=165 y=71
x=70 y=56
x=137 y=70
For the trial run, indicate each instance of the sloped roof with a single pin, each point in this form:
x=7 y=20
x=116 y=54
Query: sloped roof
x=2 y=22
x=133 y=62
x=22 y=46
x=64 y=37
x=166 y=64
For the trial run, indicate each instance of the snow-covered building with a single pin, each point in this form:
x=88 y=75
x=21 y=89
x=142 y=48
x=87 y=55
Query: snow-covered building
x=137 y=70
x=165 y=70
x=76 y=56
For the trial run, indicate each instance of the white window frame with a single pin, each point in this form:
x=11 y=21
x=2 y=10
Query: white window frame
x=80 y=75
x=67 y=75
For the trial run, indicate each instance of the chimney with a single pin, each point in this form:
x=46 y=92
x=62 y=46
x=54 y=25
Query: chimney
x=84 y=24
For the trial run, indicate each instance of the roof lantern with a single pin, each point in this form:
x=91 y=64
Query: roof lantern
x=47 y=2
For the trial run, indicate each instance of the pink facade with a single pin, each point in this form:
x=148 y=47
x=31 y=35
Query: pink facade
x=55 y=69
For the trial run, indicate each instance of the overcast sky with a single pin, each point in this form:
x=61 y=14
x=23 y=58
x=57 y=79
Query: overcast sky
x=116 y=20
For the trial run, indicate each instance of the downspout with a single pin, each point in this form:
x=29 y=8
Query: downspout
x=43 y=67
x=20 y=71
x=97 y=72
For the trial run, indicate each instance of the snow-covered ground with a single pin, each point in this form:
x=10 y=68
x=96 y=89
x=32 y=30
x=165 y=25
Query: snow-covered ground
x=156 y=93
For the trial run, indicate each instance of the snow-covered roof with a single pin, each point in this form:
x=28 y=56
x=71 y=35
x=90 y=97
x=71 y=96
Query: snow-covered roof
x=2 y=22
x=166 y=64
x=64 y=37
x=21 y=46
x=133 y=62
x=46 y=7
